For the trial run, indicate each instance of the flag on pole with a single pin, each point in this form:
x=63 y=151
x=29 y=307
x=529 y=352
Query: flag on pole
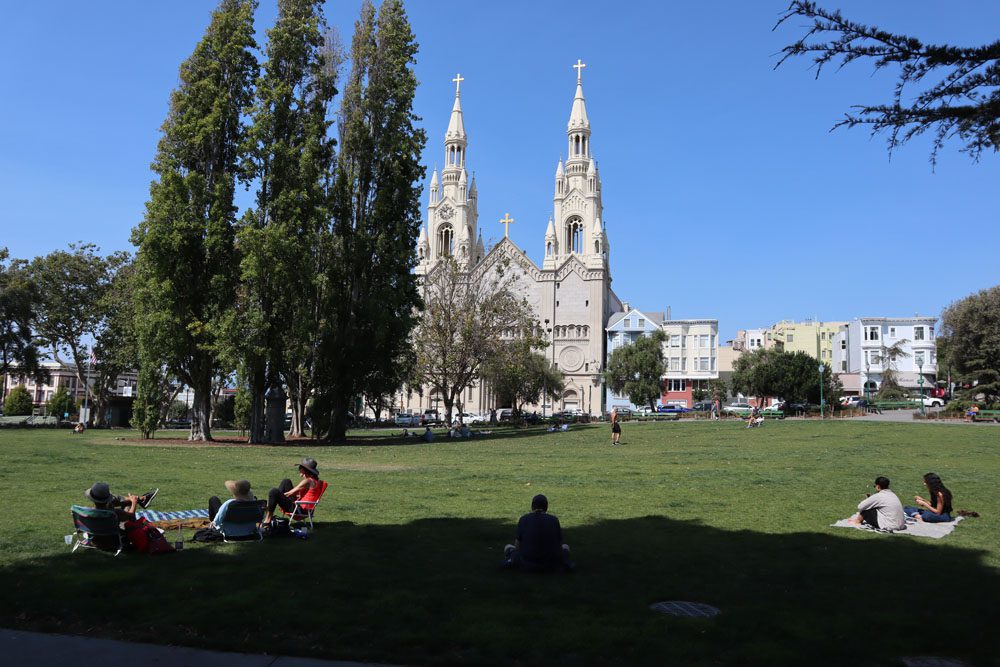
x=93 y=359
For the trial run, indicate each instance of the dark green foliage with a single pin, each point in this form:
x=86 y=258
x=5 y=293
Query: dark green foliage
x=636 y=370
x=61 y=404
x=284 y=239
x=961 y=85
x=518 y=374
x=72 y=288
x=372 y=295
x=18 y=402
x=187 y=266
x=969 y=344
x=718 y=389
x=793 y=376
x=18 y=347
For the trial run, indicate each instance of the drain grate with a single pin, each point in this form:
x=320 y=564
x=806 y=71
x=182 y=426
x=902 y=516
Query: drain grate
x=681 y=608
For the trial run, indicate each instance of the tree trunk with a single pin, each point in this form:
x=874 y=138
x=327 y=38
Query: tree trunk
x=201 y=411
x=298 y=395
x=256 y=429
x=338 y=425
x=449 y=403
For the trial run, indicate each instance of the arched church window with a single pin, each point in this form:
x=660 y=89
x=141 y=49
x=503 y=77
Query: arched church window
x=597 y=247
x=576 y=145
x=548 y=249
x=574 y=235
x=446 y=240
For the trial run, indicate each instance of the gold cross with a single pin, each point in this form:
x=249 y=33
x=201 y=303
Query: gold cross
x=458 y=83
x=506 y=222
x=579 y=69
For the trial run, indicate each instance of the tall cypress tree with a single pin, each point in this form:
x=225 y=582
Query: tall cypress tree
x=376 y=212
x=291 y=157
x=186 y=265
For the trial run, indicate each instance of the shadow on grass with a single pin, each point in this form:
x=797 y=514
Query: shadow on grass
x=431 y=592
x=395 y=439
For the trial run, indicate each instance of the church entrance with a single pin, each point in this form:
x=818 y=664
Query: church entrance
x=570 y=400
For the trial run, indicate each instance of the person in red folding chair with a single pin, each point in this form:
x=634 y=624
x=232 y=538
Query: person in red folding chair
x=295 y=499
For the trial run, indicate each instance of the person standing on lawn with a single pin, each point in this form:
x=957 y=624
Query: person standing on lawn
x=881 y=509
x=616 y=428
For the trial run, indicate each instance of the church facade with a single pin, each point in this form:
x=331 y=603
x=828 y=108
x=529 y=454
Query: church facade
x=570 y=292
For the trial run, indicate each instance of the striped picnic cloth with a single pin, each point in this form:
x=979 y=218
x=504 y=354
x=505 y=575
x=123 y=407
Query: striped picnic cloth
x=179 y=515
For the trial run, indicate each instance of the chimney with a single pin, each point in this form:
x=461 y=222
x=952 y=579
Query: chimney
x=666 y=314
x=626 y=307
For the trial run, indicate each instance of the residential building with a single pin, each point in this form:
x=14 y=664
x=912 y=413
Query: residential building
x=691 y=351
x=749 y=340
x=813 y=338
x=860 y=352
x=624 y=328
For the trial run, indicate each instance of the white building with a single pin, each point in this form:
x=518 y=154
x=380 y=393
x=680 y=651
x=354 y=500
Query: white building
x=860 y=352
x=691 y=351
x=570 y=293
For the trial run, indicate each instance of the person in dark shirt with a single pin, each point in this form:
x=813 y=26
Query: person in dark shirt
x=538 y=544
x=100 y=494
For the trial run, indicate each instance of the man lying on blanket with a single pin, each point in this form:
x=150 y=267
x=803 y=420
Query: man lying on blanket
x=882 y=509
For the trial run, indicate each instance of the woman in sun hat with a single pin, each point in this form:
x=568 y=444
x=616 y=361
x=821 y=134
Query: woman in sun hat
x=240 y=490
x=285 y=494
x=100 y=494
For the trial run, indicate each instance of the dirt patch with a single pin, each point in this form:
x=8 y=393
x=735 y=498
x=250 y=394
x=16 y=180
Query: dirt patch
x=224 y=441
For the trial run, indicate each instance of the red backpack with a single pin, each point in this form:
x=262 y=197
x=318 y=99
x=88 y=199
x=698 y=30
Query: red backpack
x=147 y=538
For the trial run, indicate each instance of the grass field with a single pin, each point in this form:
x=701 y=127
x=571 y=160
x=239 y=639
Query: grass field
x=403 y=566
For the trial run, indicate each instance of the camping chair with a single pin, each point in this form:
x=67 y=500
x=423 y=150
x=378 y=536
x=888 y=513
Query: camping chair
x=97 y=529
x=303 y=512
x=242 y=521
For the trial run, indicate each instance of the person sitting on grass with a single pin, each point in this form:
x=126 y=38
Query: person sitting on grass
x=881 y=509
x=538 y=545
x=285 y=494
x=240 y=491
x=428 y=435
x=100 y=494
x=937 y=508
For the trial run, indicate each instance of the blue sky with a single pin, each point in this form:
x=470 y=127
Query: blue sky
x=725 y=194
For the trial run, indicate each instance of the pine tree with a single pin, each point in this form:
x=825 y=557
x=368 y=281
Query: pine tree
x=187 y=262
x=291 y=157
x=372 y=296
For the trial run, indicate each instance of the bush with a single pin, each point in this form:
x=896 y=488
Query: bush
x=18 y=402
x=61 y=403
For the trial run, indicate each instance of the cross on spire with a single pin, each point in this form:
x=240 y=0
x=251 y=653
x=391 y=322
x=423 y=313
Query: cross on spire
x=579 y=70
x=458 y=83
x=506 y=221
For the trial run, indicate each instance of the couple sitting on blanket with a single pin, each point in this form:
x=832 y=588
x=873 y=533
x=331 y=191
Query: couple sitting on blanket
x=884 y=511
x=285 y=495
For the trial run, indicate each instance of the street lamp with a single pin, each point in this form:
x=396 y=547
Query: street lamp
x=868 y=396
x=545 y=377
x=821 y=366
x=920 y=381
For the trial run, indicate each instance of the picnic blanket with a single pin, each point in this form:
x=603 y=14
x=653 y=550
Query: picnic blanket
x=934 y=531
x=154 y=516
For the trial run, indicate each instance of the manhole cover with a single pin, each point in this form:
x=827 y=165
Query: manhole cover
x=681 y=608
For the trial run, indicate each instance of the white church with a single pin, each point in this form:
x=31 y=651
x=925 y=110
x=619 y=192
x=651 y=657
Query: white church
x=571 y=292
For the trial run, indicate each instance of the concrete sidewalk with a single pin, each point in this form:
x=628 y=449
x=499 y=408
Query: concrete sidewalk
x=37 y=649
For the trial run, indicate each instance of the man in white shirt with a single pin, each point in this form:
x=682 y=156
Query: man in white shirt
x=881 y=509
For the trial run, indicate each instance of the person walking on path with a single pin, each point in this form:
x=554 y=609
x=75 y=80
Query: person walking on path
x=616 y=428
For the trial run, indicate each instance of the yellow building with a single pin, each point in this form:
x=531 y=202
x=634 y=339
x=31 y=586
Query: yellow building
x=813 y=338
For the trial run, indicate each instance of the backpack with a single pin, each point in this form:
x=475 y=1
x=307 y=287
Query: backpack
x=279 y=528
x=147 y=538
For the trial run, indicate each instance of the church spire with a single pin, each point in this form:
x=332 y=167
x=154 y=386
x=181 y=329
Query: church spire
x=455 y=139
x=578 y=128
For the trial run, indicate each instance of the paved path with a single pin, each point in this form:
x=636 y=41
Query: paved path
x=37 y=649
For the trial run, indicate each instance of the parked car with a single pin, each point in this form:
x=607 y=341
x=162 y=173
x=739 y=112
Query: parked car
x=738 y=409
x=505 y=414
x=406 y=419
x=933 y=402
x=645 y=411
x=430 y=418
x=702 y=406
x=672 y=409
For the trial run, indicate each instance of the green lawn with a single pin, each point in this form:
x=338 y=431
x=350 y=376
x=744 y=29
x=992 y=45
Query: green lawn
x=404 y=566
